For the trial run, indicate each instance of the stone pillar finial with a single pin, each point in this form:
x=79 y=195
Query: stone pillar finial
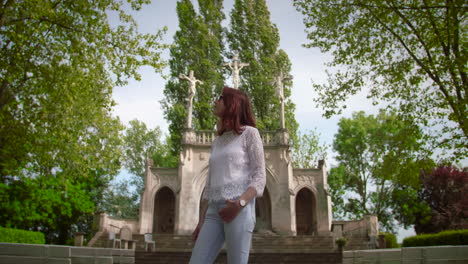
x=321 y=163
x=149 y=162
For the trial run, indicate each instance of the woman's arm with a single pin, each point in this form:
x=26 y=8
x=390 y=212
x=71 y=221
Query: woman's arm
x=204 y=207
x=257 y=163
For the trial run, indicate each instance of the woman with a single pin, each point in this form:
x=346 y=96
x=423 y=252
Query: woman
x=236 y=176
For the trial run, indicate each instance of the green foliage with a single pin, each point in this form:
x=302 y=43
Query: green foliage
x=390 y=240
x=141 y=143
x=257 y=40
x=11 y=235
x=307 y=150
x=384 y=151
x=409 y=54
x=120 y=201
x=341 y=242
x=336 y=181
x=451 y=237
x=59 y=143
x=198 y=46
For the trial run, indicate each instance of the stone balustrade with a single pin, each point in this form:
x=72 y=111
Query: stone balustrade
x=206 y=137
x=268 y=137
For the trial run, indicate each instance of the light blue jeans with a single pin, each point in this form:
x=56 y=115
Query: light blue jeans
x=237 y=234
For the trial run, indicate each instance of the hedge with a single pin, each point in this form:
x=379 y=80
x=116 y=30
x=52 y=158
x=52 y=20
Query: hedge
x=390 y=240
x=451 y=237
x=10 y=235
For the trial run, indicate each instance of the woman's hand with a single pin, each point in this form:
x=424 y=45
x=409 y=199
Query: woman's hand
x=196 y=231
x=230 y=211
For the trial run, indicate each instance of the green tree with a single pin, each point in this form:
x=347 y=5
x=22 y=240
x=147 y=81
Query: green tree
x=141 y=143
x=120 y=201
x=377 y=153
x=411 y=54
x=198 y=46
x=59 y=144
x=307 y=150
x=257 y=40
x=336 y=181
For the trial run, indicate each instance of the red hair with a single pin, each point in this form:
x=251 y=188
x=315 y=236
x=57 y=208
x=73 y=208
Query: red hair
x=237 y=111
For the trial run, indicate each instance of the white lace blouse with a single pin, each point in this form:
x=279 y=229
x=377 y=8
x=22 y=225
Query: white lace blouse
x=236 y=163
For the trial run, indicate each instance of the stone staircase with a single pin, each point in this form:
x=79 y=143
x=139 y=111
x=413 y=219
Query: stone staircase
x=260 y=243
x=254 y=258
x=265 y=249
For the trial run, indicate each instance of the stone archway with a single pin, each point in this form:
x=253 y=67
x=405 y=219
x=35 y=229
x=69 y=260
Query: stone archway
x=164 y=211
x=263 y=212
x=306 y=217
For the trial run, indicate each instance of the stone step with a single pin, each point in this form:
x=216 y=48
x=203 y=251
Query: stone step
x=254 y=258
x=260 y=244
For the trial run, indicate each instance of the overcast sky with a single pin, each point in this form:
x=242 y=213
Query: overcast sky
x=140 y=100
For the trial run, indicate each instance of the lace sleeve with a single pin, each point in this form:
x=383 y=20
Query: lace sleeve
x=257 y=161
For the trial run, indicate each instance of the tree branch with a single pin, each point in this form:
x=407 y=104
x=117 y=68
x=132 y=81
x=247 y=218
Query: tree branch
x=3 y=94
x=434 y=77
x=459 y=61
x=4 y=8
x=401 y=7
x=415 y=32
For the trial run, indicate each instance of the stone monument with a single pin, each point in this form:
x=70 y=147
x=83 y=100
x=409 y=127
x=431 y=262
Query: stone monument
x=235 y=67
x=192 y=90
x=280 y=93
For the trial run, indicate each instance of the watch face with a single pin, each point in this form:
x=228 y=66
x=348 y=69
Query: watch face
x=242 y=203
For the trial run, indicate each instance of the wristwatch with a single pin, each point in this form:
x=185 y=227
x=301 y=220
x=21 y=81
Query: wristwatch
x=242 y=203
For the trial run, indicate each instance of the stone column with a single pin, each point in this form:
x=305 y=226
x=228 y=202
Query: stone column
x=79 y=239
x=324 y=209
x=145 y=222
x=186 y=202
x=283 y=204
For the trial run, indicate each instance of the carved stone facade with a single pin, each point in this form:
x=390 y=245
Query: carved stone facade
x=295 y=200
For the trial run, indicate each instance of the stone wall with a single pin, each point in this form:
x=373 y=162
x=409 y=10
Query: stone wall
x=110 y=224
x=368 y=226
x=412 y=255
x=12 y=253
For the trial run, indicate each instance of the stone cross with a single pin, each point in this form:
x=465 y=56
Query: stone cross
x=235 y=67
x=279 y=90
x=192 y=89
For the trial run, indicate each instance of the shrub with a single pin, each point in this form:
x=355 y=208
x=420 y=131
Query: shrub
x=451 y=237
x=10 y=235
x=390 y=240
x=341 y=242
